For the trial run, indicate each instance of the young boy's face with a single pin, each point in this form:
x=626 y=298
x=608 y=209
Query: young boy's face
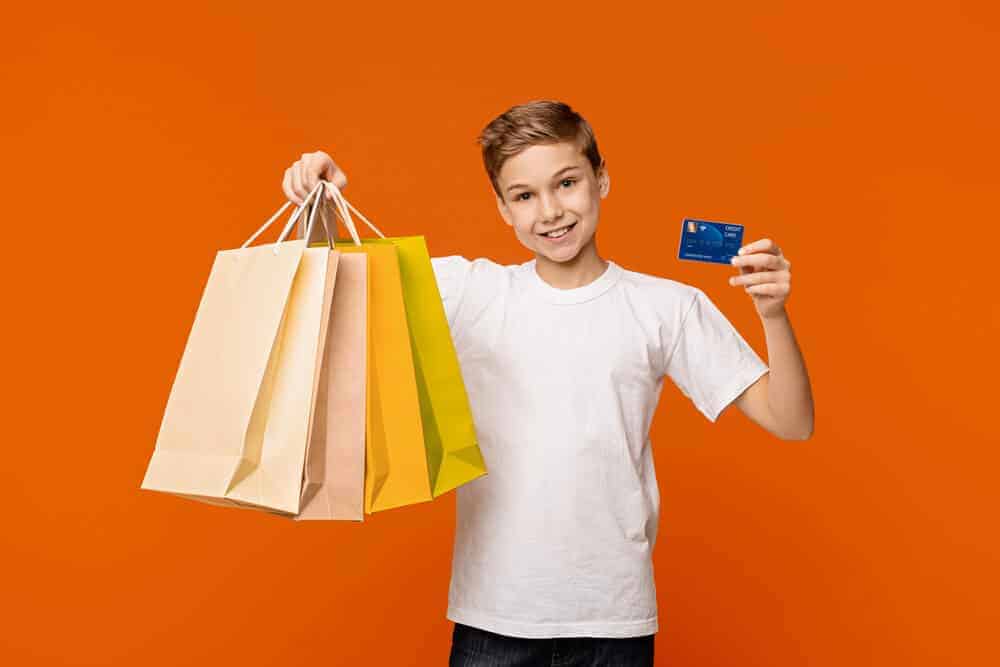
x=549 y=188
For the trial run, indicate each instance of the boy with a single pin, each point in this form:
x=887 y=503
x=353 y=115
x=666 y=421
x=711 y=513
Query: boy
x=564 y=358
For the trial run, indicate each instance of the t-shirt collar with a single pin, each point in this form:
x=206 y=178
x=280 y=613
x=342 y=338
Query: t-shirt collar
x=587 y=292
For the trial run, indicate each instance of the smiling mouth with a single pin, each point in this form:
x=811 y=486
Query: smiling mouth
x=557 y=233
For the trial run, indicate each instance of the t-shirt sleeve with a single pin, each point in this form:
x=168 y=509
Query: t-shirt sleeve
x=710 y=362
x=452 y=275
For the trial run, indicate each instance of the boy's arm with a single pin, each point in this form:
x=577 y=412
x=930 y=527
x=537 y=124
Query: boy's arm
x=781 y=400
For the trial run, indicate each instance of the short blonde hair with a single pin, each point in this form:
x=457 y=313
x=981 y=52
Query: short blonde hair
x=530 y=124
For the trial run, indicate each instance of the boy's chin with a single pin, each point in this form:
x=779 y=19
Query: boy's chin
x=559 y=257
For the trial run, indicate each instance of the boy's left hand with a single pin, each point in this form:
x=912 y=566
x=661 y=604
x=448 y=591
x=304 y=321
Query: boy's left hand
x=766 y=276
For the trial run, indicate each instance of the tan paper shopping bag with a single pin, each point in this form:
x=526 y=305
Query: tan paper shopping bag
x=335 y=460
x=280 y=423
x=237 y=419
x=282 y=419
x=204 y=441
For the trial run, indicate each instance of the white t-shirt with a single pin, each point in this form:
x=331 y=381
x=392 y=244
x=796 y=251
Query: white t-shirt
x=556 y=540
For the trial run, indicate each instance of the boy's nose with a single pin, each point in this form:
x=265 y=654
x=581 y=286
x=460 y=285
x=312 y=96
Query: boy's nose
x=551 y=209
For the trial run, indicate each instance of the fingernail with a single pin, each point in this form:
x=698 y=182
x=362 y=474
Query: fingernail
x=740 y=252
x=733 y=261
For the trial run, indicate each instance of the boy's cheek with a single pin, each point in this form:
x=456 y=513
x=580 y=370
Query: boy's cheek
x=527 y=239
x=523 y=231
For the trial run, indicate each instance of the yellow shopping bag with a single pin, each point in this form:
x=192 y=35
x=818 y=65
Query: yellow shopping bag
x=395 y=464
x=453 y=456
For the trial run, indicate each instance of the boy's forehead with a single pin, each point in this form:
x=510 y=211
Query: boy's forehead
x=541 y=161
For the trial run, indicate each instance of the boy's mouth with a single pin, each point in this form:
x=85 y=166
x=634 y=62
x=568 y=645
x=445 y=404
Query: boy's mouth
x=558 y=233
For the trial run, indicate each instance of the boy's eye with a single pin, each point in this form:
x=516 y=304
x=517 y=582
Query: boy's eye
x=571 y=181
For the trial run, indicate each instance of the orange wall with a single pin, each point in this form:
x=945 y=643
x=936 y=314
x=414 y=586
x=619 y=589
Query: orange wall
x=862 y=137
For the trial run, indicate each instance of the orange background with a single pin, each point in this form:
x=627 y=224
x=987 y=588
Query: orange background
x=140 y=139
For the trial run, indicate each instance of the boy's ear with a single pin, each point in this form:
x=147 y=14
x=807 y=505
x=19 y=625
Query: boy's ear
x=504 y=211
x=603 y=181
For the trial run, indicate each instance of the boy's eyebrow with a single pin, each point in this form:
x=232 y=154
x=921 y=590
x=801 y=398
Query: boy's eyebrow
x=522 y=185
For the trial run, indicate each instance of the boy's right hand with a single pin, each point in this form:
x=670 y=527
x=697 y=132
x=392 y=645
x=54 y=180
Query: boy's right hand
x=307 y=171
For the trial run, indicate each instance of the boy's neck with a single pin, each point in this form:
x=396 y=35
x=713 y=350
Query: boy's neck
x=582 y=270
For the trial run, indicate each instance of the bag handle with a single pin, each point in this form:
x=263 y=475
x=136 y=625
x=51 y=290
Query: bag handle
x=343 y=205
x=318 y=192
x=292 y=220
x=340 y=210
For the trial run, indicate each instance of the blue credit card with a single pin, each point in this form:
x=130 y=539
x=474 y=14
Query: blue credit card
x=709 y=241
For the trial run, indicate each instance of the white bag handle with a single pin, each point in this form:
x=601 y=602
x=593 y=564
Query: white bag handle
x=291 y=221
x=318 y=192
x=270 y=221
x=342 y=208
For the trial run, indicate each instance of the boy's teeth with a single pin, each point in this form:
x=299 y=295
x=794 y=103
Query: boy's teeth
x=557 y=233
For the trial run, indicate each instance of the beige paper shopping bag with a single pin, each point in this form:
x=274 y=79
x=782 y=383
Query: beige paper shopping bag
x=237 y=417
x=281 y=422
x=335 y=461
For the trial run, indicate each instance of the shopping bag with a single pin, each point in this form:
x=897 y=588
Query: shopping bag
x=395 y=465
x=334 y=476
x=235 y=427
x=451 y=447
x=453 y=456
x=286 y=405
x=395 y=458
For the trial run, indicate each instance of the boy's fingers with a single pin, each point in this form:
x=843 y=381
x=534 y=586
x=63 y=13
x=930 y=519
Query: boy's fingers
x=760 y=260
x=286 y=185
x=297 y=187
x=305 y=173
x=765 y=245
x=333 y=173
x=308 y=182
x=770 y=289
x=306 y=186
x=335 y=176
x=293 y=188
x=310 y=172
x=760 y=278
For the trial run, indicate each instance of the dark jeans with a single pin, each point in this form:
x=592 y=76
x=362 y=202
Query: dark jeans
x=472 y=647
